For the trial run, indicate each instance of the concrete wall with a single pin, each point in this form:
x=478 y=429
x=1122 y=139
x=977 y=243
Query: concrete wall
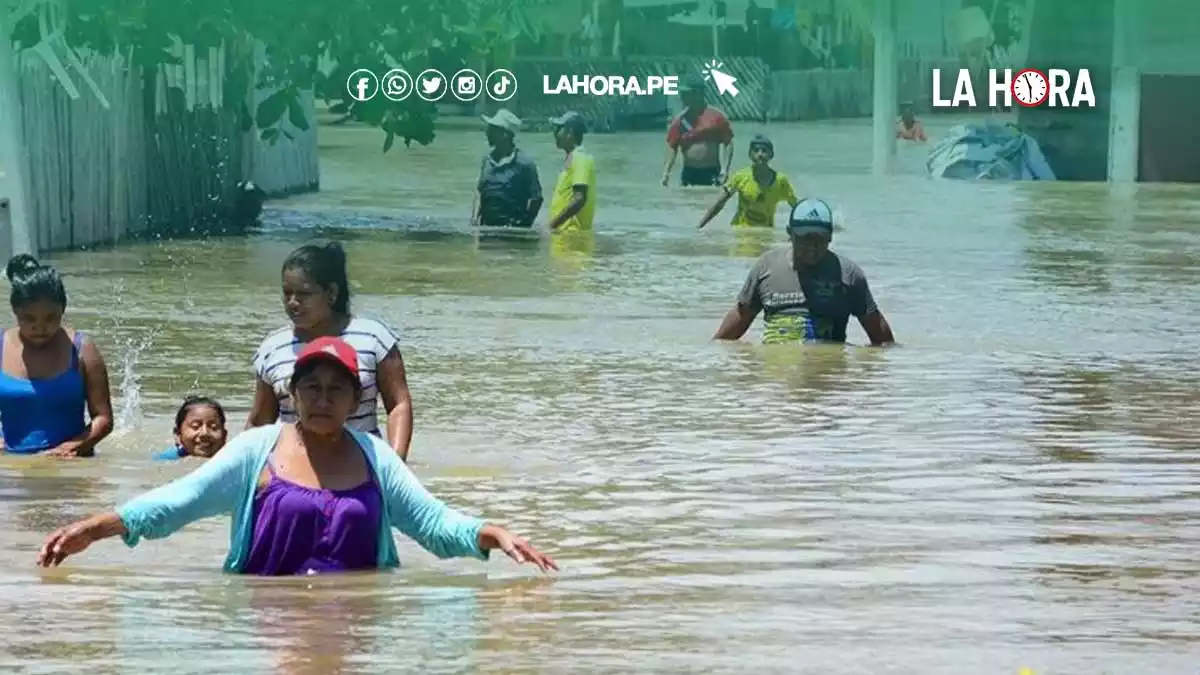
x=1072 y=34
x=1166 y=32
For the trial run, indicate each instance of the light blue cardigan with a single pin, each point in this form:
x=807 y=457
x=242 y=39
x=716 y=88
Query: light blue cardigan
x=227 y=483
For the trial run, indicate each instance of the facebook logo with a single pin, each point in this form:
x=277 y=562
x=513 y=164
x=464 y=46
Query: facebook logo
x=362 y=85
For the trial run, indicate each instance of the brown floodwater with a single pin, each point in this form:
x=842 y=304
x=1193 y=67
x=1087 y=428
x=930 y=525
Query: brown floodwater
x=1014 y=486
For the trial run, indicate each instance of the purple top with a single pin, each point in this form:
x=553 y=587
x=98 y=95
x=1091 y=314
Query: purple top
x=299 y=529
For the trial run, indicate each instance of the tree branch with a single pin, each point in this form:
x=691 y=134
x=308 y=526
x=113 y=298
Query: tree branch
x=23 y=10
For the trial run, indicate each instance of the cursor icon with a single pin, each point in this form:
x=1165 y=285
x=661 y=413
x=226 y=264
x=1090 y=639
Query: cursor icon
x=724 y=82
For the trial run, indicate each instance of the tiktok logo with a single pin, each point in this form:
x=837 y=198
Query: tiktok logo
x=501 y=85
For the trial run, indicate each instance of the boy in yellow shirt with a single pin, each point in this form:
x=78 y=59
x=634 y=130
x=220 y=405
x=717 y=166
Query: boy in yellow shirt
x=573 y=205
x=759 y=189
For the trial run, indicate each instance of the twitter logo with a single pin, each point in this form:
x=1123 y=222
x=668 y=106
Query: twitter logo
x=431 y=85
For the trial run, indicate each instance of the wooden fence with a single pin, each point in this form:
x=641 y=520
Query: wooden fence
x=164 y=159
x=820 y=94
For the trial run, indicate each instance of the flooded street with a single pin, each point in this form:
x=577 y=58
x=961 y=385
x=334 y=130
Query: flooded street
x=1013 y=486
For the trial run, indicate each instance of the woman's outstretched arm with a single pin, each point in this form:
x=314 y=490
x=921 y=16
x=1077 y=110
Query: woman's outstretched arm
x=215 y=488
x=443 y=531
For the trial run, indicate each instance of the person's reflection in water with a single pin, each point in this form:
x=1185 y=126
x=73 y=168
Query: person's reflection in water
x=327 y=624
x=315 y=628
x=573 y=251
x=752 y=242
x=812 y=371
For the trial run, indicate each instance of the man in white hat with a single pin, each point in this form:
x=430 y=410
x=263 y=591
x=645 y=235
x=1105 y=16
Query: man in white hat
x=806 y=292
x=509 y=192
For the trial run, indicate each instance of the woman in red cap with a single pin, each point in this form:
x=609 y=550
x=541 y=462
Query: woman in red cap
x=305 y=497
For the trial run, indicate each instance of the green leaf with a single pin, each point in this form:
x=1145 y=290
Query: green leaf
x=270 y=111
x=339 y=108
x=270 y=135
x=296 y=114
x=26 y=33
x=287 y=135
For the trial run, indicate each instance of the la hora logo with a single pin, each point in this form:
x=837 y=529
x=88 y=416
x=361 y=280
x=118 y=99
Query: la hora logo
x=1030 y=88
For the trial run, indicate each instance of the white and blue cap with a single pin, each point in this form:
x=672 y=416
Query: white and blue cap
x=811 y=216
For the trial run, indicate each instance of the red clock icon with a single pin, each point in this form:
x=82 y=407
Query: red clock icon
x=1030 y=87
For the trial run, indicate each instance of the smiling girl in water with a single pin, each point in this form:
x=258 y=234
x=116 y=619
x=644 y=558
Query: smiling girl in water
x=306 y=497
x=199 y=429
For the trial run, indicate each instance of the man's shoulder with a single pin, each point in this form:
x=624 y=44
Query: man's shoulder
x=284 y=336
x=581 y=157
x=715 y=114
x=773 y=259
x=369 y=328
x=525 y=159
x=740 y=176
x=849 y=269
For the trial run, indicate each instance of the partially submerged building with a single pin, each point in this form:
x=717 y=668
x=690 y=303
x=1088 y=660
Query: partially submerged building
x=1145 y=68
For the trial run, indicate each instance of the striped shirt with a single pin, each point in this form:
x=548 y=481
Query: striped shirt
x=276 y=359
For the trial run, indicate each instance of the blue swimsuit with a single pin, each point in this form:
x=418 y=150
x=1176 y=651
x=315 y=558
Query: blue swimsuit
x=40 y=414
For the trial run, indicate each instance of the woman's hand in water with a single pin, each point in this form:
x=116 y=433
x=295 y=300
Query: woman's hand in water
x=494 y=537
x=74 y=538
x=68 y=449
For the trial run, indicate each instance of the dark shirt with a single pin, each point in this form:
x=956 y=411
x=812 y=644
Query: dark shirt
x=505 y=190
x=808 y=307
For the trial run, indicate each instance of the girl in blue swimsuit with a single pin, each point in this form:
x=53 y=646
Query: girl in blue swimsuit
x=49 y=374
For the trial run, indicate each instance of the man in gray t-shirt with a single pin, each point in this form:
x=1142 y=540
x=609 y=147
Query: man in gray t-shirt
x=806 y=292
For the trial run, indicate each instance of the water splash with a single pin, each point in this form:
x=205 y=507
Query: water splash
x=129 y=416
x=181 y=266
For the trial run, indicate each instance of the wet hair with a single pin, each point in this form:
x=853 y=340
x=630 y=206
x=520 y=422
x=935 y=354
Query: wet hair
x=325 y=265
x=761 y=141
x=32 y=281
x=305 y=369
x=191 y=403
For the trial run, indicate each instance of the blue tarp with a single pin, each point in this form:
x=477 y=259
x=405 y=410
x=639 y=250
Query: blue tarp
x=988 y=152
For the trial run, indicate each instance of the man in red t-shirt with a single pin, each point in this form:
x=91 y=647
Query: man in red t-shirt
x=703 y=134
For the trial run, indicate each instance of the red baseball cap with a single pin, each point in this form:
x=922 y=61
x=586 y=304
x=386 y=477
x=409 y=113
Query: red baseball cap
x=332 y=349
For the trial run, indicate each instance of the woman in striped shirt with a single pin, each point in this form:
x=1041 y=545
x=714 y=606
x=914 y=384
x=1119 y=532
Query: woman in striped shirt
x=316 y=295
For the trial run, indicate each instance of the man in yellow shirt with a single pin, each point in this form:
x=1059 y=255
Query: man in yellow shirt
x=573 y=204
x=759 y=189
